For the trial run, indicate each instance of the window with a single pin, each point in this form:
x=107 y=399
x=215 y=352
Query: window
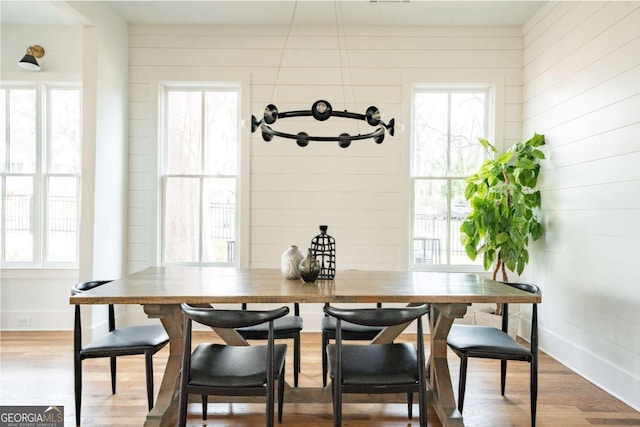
x=40 y=165
x=445 y=150
x=200 y=175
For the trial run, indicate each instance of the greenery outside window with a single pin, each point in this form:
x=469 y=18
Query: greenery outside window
x=40 y=166
x=444 y=151
x=200 y=175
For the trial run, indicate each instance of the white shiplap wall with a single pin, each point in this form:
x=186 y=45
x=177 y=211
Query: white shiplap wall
x=582 y=90
x=361 y=192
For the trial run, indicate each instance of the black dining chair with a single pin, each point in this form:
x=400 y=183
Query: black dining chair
x=350 y=332
x=378 y=368
x=126 y=341
x=288 y=327
x=227 y=370
x=487 y=342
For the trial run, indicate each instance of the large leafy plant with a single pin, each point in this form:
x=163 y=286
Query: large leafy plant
x=503 y=202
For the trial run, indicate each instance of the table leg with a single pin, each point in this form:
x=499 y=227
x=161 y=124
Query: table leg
x=165 y=410
x=441 y=318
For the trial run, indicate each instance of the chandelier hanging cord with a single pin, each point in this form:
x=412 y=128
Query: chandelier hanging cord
x=284 y=48
x=321 y=110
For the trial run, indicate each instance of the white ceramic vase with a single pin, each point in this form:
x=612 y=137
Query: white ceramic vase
x=290 y=263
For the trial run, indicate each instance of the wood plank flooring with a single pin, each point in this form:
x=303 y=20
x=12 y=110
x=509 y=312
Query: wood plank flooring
x=36 y=368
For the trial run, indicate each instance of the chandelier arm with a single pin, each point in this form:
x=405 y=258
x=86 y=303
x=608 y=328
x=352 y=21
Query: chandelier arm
x=269 y=131
x=308 y=113
x=321 y=110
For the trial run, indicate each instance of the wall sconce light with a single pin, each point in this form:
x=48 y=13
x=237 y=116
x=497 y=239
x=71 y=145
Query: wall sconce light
x=28 y=62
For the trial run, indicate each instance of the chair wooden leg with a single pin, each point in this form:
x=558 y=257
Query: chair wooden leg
x=503 y=376
x=325 y=342
x=148 y=361
x=205 y=403
x=534 y=390
x=410 y=405
x=77 y=371
x=270 y=392
x=296 y=359
x=422 y=405
x=336 y=398
x=281 y=394
x=182 y=413
x=462 y=382
x=113 y=374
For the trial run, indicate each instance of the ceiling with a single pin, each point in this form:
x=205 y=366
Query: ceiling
x=358 y=13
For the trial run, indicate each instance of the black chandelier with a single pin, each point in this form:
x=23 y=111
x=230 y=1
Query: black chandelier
x=321 y=110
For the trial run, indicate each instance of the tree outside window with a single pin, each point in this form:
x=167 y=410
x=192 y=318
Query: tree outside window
x=40 y=161
x=445 y=149
x=201 y=152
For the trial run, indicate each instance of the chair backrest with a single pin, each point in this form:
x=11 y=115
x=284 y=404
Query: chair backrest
x=326 y=304
x=231 y=319
x=378 y=316
x=81 y=287
x=296 y=308
x=527 y=287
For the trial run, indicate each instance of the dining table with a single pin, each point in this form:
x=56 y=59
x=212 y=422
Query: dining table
x=162 y=290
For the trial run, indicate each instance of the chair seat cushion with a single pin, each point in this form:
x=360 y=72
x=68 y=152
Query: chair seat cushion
x=216 y=365
x=283 y=324
x=329 y=325
x=135 y=338
x=376 y=364
x=484 y=340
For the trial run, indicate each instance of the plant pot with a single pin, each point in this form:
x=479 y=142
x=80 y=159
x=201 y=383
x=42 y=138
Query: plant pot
x=486 y=317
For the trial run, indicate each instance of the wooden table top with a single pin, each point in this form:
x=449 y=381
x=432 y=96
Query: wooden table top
x=175 y=285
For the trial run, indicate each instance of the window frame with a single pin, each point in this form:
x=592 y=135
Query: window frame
x=165 y=89
x=490 y=120
x=41 y=176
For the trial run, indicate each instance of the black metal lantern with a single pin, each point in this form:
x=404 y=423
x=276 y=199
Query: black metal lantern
x=323 y=248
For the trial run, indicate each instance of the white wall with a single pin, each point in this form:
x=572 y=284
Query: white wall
x=361 y=192
x=39 y=299
x=63 y=52
x=582 y=90
x=97 y=55
x=106 y=62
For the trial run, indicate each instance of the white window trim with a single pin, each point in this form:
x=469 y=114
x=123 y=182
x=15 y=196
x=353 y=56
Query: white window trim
x=242 y=177
x=40 y=189
x=459 y=79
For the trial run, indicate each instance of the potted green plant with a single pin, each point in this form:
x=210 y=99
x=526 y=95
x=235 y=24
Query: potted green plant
x=503 y=201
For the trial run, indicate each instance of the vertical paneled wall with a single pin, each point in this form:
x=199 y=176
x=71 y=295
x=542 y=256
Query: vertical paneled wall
x=361 y=192
x=582 y=90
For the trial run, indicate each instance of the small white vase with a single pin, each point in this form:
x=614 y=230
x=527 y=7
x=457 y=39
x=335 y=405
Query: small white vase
x=290 y=263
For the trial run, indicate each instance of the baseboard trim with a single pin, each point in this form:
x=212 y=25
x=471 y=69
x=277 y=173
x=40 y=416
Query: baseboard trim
x=592 y=367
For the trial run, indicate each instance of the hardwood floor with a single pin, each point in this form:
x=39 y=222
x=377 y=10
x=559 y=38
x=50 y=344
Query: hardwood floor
x=36 y=368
